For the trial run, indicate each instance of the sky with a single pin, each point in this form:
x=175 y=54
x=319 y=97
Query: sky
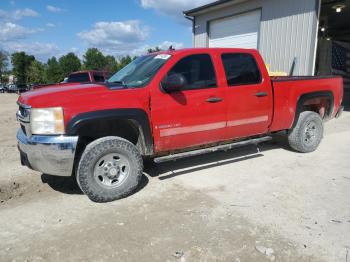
x=46 y=28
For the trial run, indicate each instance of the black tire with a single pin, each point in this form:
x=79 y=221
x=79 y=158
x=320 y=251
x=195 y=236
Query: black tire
x=307 y=134
x=86 y=177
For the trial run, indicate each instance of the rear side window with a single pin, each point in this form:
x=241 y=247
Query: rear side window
x=78 y=78
x=241 y=69
x=198 y=70
x=99 y=78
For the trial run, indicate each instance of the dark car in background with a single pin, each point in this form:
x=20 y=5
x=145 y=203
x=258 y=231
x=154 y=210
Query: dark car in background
x=11 y=88
x=2 y=88
x=87 y=76
x=17 y=88
x=22 y=88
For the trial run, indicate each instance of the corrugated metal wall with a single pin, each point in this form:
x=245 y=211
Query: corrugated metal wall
x=288 y=29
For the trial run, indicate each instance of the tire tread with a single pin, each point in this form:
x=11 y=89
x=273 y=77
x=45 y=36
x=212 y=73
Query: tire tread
x=103 y=145
x=294 y=136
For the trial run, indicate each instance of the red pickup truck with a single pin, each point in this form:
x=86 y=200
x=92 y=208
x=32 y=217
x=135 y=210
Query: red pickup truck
x=164 y=106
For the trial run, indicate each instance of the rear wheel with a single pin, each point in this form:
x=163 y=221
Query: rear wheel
x=110 y=168
x=308 y=132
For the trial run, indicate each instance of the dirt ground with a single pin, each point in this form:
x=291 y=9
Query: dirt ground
x=241 y=205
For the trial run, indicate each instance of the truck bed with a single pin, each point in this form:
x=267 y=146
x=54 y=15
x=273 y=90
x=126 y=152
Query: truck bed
x=289 y=91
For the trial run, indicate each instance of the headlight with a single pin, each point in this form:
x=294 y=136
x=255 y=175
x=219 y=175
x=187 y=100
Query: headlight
x=47 y=121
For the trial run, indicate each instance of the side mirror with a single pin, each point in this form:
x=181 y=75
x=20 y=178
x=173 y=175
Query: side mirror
x=173 y=83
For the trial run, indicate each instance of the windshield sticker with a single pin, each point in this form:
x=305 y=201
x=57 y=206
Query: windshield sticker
x=162 y=56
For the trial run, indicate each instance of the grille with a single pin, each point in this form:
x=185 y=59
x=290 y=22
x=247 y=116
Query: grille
x=23 y=116
x=23 y=113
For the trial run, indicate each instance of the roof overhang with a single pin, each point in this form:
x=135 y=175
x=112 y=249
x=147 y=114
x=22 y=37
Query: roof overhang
x=211 y=6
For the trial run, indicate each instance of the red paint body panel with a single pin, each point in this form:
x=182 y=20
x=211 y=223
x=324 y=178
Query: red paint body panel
x=185 y=119
x=287 y=93
x=247 y=114
x=77 y=99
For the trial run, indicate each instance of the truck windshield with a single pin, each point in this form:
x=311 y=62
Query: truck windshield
x=140 y=71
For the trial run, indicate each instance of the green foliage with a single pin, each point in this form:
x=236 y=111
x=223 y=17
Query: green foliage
x=27 y=70
x=53 y=73
x=36 y=73
x=3 y=64
x=21 y=63
x=124 y=61
x=94 y=60
x=111 y=64
x=152 y=50
x=5 y=78
x=69 y=63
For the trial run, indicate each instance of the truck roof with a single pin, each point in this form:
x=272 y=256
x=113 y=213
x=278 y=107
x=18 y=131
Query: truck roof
x=189 y=50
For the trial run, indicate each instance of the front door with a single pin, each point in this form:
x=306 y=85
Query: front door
x=195 y=115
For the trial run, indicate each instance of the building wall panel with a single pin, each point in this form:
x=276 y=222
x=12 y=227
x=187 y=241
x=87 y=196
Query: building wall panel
x=288 y=29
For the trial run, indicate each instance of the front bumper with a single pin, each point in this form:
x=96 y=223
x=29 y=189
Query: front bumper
x=53 y=155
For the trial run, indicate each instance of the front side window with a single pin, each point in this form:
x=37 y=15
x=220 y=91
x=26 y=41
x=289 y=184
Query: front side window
x=198 y=71
x=241 y=69
x=140 y=71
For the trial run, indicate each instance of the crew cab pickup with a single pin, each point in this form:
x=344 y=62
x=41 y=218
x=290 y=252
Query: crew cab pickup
x=164 y=106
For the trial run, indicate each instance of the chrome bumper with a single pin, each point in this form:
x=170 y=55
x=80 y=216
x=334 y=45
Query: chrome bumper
x=53 y=155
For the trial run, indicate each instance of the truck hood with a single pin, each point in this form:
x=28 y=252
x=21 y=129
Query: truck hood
x=58 y=95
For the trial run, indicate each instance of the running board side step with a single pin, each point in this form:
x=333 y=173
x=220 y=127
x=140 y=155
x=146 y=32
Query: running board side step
x=173 y=157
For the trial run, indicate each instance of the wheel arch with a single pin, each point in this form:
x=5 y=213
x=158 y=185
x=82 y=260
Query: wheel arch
x=126 y=123
x=321 y=102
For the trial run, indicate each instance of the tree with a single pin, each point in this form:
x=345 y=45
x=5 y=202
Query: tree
x=151 y=50
x=36 y=73
x=3 y=64
x=53 y=73
x=111 y=64
x=5 y=78
x=124 y=61
x=94 y=59
x=69 y=63
x=21 y=63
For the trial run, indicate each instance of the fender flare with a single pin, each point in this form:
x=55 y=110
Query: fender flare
x=307 y=96
x=135 y=114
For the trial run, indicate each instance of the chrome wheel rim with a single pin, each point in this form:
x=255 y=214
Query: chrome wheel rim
x=310 y=133
x=111 y=170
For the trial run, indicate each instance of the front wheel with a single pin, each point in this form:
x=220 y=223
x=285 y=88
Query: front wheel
x=308 y=132
x=110 y=168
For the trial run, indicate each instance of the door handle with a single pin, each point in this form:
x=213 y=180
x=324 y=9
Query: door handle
x=214 y=99
x=261 y=94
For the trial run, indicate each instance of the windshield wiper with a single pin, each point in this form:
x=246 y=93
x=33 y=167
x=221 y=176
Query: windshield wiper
x=122 y=83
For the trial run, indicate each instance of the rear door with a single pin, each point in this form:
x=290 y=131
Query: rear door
x=195 y=115
x=248 y=94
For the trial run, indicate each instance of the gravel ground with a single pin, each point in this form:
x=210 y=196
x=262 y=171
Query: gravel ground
x=242 y=205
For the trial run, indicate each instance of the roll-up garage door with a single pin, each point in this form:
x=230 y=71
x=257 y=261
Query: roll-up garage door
x=240 y=31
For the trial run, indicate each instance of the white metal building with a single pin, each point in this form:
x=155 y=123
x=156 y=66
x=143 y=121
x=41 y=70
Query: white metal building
x=284 y=31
